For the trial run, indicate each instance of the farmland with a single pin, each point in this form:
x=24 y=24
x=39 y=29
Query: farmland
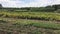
x=29 y=22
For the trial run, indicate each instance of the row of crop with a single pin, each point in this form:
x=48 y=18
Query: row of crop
x=32 y=15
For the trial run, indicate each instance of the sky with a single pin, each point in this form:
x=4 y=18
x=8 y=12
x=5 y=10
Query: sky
x=28 y=3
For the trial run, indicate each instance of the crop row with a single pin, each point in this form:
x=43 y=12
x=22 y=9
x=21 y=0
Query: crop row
x=32 y=15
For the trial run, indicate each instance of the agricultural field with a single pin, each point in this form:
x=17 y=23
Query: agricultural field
x=29 y=22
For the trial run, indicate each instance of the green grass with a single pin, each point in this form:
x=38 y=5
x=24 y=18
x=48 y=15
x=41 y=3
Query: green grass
x=47 y=25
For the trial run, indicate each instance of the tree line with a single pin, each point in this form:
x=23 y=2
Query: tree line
x=50 y=8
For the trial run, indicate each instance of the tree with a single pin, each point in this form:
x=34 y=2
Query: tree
x=56 y=6
x=0 y=5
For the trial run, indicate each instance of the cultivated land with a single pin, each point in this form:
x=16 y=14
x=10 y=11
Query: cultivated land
x=29 y=22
